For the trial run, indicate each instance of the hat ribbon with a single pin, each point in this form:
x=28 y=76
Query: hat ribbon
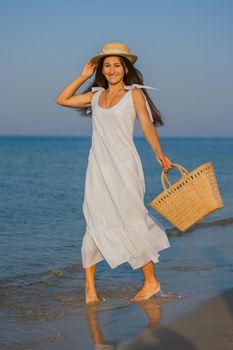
x=104 y=51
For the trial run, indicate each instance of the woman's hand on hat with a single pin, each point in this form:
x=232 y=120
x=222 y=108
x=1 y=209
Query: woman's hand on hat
x=88 y=69
x=164 y=161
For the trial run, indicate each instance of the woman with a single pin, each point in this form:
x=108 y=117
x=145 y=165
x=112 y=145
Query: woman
x=119 y=228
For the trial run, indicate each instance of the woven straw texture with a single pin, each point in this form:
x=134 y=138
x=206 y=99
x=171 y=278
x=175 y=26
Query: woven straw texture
x=194 y=196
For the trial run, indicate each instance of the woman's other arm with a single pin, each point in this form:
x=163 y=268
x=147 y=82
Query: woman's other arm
x=149 y=130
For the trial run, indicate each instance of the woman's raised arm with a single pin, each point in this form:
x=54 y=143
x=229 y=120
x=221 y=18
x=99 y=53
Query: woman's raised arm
x=67 y=96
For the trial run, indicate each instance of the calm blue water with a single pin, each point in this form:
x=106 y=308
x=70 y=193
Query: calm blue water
x=42 y=182
x=42 y=224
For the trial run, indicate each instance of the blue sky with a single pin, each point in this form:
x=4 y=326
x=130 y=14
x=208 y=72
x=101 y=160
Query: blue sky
x=184 y=48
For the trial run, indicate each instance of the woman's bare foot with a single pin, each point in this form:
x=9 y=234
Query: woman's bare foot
x=147 y=291
x=91 y=295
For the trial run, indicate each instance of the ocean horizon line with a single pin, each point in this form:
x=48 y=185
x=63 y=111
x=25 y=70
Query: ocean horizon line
x=89 y=136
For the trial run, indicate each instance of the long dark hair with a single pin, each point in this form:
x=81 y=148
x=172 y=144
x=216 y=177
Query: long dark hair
x=134 y=76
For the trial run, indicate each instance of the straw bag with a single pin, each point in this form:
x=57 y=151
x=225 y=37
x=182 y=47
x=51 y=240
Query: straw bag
x=191 y=198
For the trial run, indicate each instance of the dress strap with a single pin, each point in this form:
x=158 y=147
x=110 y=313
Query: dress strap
x=97 y=88
x=131 y=87
x=94 y=89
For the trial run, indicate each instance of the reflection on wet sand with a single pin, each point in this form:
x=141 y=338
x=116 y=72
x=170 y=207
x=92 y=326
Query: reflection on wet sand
x=151 y=307
x=94 y=326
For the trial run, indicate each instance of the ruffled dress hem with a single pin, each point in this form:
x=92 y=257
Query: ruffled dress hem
x=154 y=259
x=151 y=238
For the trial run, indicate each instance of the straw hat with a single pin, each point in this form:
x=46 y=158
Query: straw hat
x=118 y=49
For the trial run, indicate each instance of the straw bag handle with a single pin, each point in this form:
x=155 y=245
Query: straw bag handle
x=164 y=177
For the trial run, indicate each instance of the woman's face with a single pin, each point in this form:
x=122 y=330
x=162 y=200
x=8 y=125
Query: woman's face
x=113 y=69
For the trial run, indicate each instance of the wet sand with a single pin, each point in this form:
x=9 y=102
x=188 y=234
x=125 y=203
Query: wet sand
x=210 y=327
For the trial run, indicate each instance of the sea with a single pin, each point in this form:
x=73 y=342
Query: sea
x=42 y=226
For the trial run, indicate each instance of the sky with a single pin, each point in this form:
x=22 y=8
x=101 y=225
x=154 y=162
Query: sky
x=184 y=48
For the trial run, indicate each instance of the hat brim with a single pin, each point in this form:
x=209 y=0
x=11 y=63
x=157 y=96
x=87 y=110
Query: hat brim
x=131 y=58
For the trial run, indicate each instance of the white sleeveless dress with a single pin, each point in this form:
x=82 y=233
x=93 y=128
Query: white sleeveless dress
x=118 y=226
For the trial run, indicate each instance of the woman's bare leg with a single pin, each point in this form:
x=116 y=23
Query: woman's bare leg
x=151 y=283
x=91 y=294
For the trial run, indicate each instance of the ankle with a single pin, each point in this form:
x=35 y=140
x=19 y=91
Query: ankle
x=152 y=282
